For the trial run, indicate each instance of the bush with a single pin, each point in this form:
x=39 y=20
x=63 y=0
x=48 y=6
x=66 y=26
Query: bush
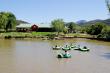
x=51 y=36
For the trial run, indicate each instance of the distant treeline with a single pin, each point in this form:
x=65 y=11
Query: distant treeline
x=98 y=29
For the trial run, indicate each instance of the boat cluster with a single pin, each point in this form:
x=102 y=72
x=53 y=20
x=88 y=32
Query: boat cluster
x=66 y=48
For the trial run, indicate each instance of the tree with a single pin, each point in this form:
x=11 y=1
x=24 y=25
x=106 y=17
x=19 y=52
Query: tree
x=96 y=28
x=105 y=34
x=82 y=29
x=58 y=25
x=108 y=5
x=3 y=20
x=11 y=23
x=65 y=30
x=71 y=27
x=7 y=20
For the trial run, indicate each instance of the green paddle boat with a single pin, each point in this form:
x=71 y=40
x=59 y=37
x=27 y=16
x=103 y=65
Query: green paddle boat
x=66 y=48
x=64 y=56
x=57 y=47
x=72 y=46
x=82 y=48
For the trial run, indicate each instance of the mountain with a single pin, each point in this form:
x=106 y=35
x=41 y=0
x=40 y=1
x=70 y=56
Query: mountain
x=81 y=22
x=107 y=21
x=21 y=22
x=93 y=21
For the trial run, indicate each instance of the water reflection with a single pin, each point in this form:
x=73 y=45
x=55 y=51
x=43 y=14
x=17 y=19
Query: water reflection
x=106 y=55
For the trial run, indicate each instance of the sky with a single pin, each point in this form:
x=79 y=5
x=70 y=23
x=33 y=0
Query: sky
x=44 y=11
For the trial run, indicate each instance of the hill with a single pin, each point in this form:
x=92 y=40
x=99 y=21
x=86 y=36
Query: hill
x=81 y=22
x=107 y=21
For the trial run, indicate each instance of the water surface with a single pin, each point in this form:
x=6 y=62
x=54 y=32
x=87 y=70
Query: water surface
x=37 y=56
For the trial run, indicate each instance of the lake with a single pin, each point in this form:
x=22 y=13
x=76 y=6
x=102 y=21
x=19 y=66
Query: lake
x=37 y=56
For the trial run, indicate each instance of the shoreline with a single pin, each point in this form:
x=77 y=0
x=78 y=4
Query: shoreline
x=47 y=36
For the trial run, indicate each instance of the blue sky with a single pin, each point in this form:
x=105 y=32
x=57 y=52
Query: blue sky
x=38 y=11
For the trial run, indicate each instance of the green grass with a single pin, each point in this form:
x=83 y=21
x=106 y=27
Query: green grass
x=40 y=34
x=24 y=34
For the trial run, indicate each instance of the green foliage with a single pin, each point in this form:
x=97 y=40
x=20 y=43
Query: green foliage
x=52 y=36
x=78 y=28
x=7 y=20
x=72 y=27
x=3 y=20
x=58 y=25
x=40 y=33
x=82 y=29
x=95 y=29
x=105 y=34
x=108 y=35
x=108 y=5
x=25 y=34
x=65 y=31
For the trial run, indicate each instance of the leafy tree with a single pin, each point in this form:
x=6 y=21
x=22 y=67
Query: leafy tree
x=3 y=20
x=72 y=27
x=65 y=31
x=108 y=5
x=11 y=21
x=7 y=20
x=78 y=28
x=96 y=28
x=105 y=34
x=58 y=25
x=82 y=29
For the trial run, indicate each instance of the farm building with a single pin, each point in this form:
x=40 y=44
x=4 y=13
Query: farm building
x=33 y=27
x=26 y=27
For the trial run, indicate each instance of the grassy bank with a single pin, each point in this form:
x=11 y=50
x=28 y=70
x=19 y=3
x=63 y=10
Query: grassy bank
x=41 y=34
x=23 y=34
x=78 y=35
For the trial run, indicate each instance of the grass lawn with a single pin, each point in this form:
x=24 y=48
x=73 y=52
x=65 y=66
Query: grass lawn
x=40 y=34
x=30 y=34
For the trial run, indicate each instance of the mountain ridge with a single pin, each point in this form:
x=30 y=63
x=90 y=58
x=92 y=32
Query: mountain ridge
x=106 y=21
